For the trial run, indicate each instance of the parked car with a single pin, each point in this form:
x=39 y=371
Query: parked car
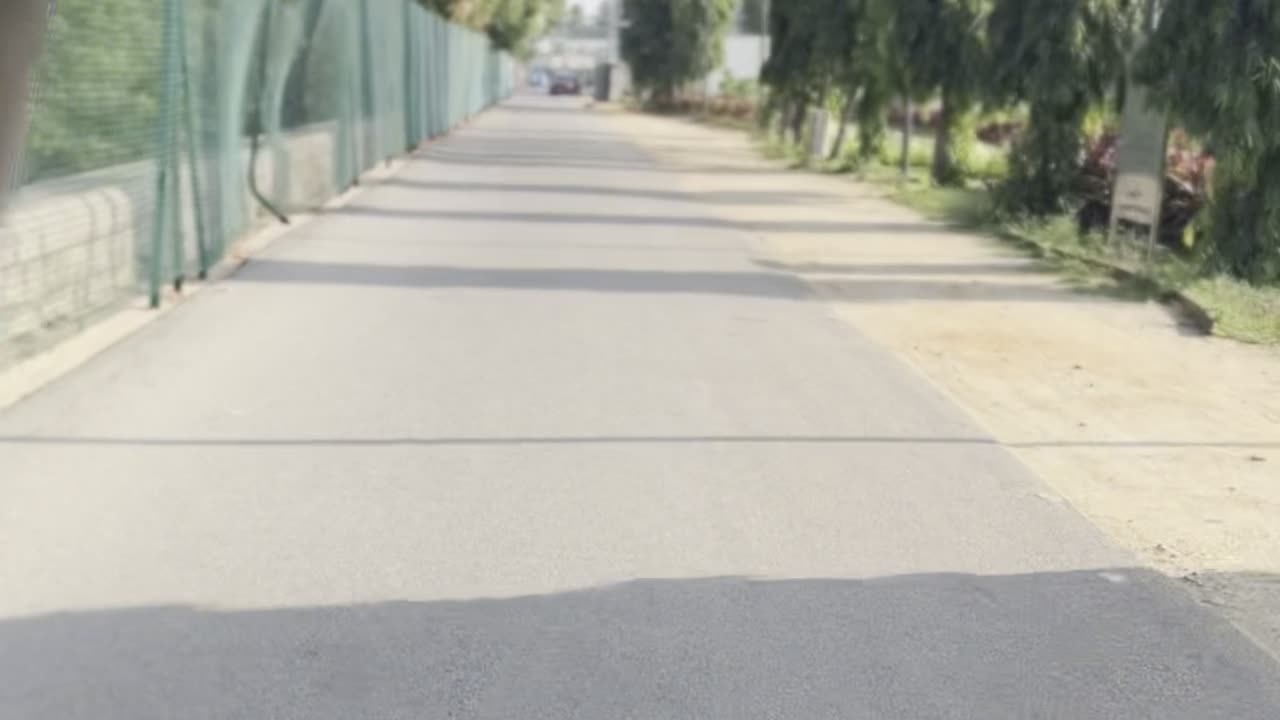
x=566 y=85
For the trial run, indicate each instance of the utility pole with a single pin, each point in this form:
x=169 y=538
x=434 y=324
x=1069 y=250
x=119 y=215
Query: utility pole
x=615 y=24
x=613 y=11
x=908 y=128
x=765 y=48
x=22 y=28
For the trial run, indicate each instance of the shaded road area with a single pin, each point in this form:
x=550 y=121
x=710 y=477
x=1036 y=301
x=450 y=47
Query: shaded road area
x=528 y=432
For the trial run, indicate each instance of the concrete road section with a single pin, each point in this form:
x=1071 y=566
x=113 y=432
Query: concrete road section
x=525 y=433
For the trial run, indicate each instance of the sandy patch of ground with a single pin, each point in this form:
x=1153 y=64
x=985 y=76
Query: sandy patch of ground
x=1169 y=442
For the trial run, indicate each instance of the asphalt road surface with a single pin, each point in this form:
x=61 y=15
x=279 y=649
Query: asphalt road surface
x=525 y=433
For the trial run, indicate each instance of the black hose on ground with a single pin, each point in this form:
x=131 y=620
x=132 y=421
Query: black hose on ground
x=265 y=37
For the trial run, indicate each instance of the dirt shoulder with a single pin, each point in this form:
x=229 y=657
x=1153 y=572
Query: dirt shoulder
x=1167 y=441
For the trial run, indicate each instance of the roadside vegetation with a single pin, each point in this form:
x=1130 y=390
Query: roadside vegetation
x=511 y=25
x=670 y=43
x=1001 y=116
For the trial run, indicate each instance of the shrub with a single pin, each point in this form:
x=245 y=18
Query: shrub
x=1188 y=170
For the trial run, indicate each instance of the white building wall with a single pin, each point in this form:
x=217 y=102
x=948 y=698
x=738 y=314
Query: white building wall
x=744 y=55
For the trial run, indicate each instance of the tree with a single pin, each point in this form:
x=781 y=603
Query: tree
x=669 y=43
x=942 y=45
x=1216 y=65
x=838 y=44
x=832 y=46
x=1061 y=57
x=866 y=75
x=510 y=24
x=513 y=23
x=752 y=14
x=907 y=28
x=472 y=13
x=790 y=71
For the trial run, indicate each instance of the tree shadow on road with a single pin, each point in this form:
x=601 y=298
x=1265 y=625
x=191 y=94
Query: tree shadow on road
x=765 y=285
x=708 y=440
x=552 y=159
x=1114 y=643
x=752 y=284
x=644 y=220
x=1015 y=267
x=756 y=197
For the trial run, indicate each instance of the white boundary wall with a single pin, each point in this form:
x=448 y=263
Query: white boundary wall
x=76 y=247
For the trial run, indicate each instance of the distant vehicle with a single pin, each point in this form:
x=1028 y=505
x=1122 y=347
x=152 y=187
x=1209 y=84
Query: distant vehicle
x=566 y=85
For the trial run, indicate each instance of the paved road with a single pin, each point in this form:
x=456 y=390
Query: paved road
x=525 y=433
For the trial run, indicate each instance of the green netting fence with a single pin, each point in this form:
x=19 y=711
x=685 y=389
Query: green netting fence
x=162 y=130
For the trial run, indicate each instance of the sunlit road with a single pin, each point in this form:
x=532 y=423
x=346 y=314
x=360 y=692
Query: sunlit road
x=525 y=433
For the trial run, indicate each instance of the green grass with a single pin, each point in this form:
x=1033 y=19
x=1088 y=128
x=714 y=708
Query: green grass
x=961 y=207
x=1240 y=311
x=775 y=149
x=979 y=160
x=920 y=154
x=725 y=121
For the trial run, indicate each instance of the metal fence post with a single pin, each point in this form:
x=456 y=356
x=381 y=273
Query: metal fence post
x=165 y=121
x=194 y=148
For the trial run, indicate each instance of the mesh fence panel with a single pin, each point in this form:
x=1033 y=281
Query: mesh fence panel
x=148 y=116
